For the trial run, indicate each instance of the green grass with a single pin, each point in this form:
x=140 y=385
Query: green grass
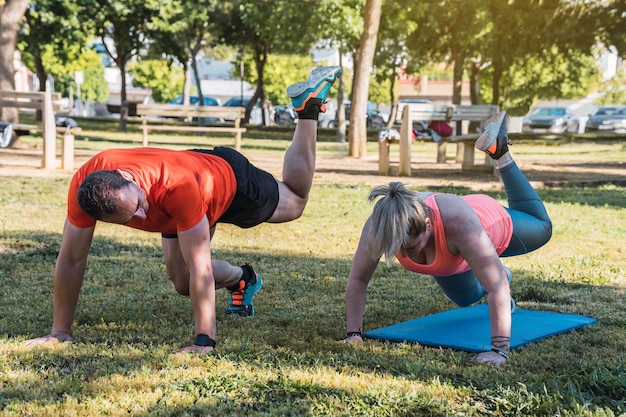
x=286 y=360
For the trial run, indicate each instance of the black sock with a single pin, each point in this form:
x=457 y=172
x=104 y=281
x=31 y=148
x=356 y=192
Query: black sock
x=248 y=276
x=312 y=109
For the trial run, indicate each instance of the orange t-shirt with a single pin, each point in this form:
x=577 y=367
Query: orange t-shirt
x=494 y=219
x=180 y=186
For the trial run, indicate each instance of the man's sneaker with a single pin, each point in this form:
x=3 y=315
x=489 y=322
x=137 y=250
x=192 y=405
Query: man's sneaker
x=494 y=140
x=316 y=87
x=241 y=299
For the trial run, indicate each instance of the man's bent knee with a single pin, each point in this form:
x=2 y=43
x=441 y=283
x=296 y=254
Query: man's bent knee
x=181 y=285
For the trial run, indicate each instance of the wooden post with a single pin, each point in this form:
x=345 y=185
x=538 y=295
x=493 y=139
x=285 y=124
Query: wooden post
x=406 y=132
x=67 y=160
x=48 y=131
x=144 y=128
x=383 y=157
x=238 y=134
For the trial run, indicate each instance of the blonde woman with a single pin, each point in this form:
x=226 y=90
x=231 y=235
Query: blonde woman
x=457 y=240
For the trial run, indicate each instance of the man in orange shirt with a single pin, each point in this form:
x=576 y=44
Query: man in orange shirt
x=183 y=195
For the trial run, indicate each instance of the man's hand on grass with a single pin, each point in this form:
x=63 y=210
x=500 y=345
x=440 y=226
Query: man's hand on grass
x=54 y=337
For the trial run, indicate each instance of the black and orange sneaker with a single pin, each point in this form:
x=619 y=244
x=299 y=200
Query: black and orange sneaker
x=494 y=140
x=241 y=298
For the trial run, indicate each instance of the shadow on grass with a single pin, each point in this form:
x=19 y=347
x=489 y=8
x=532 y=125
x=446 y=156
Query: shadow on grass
x=129 y=317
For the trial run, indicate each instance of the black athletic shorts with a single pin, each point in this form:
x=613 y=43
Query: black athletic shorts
x=256 y=197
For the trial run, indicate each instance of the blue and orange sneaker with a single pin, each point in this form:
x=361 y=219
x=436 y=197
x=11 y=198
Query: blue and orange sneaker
x=241 y=299
x=494 y=140
x=315 y=88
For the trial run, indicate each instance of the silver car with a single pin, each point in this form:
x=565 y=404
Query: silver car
x=607 y=119
x=550 y=120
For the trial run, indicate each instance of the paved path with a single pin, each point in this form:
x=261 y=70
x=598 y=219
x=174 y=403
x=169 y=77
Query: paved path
x=347 y=170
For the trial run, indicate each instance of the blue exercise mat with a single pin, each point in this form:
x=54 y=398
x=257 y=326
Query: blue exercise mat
x=468 y=329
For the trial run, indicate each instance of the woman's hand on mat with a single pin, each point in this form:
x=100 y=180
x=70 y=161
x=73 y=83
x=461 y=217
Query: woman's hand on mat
x=490 y=358
x=196 y=349
x=54 y=337
x=353 y=339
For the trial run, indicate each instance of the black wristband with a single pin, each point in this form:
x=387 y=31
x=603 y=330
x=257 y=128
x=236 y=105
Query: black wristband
x=203 y=340
x=350 y=334
x=501 y=353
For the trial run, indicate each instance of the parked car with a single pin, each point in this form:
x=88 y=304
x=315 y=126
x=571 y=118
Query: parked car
x=374 y=117
x=550 y=120
x=237 y=102
x=607 y=118
x=194 y=100
x=256 y=114
x=284 y=115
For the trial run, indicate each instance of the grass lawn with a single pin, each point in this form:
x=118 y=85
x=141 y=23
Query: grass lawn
x=287 y=359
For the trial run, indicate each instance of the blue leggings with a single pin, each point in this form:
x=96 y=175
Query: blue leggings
x=532 y=228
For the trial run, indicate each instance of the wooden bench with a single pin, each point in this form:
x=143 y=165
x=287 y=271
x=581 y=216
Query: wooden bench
x=223 y=119
x=461 y=115
x=48 y=103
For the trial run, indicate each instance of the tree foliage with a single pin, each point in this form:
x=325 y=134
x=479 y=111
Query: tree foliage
x=52 y=27
x=180 y=31
x=278 y=27
x=362 y=71
x=613 y=90
x=280 y=72
x=94 y=87
x=165 y=80
x=608 y=20
x=512 y=51
x=11 y=12
x=125 y=23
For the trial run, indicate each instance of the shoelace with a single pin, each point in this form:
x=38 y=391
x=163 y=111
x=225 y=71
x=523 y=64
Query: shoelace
x=237 y=295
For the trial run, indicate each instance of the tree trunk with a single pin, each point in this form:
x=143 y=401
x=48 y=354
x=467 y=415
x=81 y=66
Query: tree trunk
x=495 y=82
x=260 y=59
x=360 y=90
x=186 y=84
x=457 y=76
x=123 y=99
x=474 y=86
x=194 y=66
x=394 y=104
x=10 y=15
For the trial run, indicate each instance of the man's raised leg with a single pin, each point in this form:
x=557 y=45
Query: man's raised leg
x=308 y=100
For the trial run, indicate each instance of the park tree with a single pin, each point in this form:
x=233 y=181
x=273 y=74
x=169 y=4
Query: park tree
x=279 y=27
x=179 y=32
x=396 y=26
x=500 y=40
x=280 y=72
x=608 y=18
x=550 y=31
x=94 y=86
x=53 y=27
x=11 y=13
x=164 y=79
x=342 y=28
x=357 y=144
x=124 y=22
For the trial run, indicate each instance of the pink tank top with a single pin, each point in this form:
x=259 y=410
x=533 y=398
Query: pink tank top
x=495 y=220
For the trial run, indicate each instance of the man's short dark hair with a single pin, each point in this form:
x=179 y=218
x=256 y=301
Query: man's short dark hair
x=97 y=194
